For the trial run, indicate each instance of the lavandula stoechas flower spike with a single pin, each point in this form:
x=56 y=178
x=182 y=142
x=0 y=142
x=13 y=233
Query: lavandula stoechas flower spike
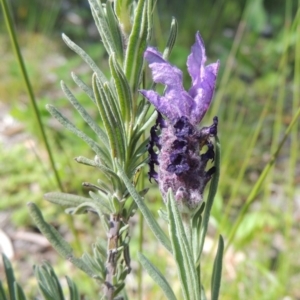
x=181 y=166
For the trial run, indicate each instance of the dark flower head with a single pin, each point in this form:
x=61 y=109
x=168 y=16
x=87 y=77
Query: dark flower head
x=176 y=152
x=176 y=102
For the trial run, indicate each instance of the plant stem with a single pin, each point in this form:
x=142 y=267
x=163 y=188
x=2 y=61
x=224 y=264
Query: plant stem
x=112 y=254
x=16 y=48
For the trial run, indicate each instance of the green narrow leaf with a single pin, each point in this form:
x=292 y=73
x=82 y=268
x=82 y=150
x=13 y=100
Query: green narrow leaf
x=85 y=57
x=56 y=240
x=146 y=123
x=157 y=276
x=88 y=90
x=211 y=195
x=45 y=283
x=203 y=296
x=136 y=162
x=84 y=208
x=196 y=230
x=95 y=266
x=66 y=123
x=111 y=176
x=56 y=282
x=114 y=107
x=48 y=282
x=172 y=39
x=150 y=8
x=142 y=110
x=99 y=15
x=152 y=223
x=65 y=199
x=10 y=277
x=136 y=46
x=119 y=288
x=45 y=292
x=122 y=9
x=112 y=127
x=19 y=292
x=2 y=294
x=84 y=114
x=74 y=294
x=182 y=252
x=106 y=116
x=100 y=255
x=123 y=89
x=217 y=271
x=102 y=202
x=114 y=29
x=86 y=161
x=141 y=149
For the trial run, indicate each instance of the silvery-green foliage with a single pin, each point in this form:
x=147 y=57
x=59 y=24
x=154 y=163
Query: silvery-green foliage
x=119 y=144
x=125 y=29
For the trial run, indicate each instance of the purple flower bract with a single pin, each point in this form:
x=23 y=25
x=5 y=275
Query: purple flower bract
x=176 y=102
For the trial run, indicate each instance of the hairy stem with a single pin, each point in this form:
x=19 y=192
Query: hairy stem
x=112 y=254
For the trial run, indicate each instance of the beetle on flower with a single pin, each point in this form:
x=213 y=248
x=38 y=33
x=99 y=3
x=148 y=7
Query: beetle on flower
x=181 y=165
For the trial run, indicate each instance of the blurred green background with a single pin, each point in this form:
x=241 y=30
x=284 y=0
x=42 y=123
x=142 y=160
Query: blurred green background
x=258 y=88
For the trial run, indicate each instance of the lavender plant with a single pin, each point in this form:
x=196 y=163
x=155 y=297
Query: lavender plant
x=177 y=156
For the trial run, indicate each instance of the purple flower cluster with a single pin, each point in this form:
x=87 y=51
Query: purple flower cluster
x=181 y=164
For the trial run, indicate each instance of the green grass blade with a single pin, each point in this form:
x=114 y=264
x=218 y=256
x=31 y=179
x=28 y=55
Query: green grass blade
x=157 y=276
x=217 y=271
x=13 y=37
x=151 y=221
x=10 y=277
x=260 y=181
x=2 y=294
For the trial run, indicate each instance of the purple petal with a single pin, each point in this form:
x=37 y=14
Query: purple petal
x=196 y=60
x=162 y=104
x=203 y=92
x=162 y=71
x=176 y=102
